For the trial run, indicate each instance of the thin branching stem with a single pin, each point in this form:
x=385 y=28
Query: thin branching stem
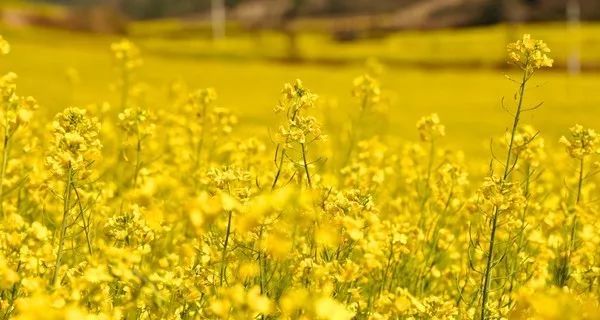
x=572 y=233
x=308 y=179
x=138 y=161
x=5 y=148
x=86 y=223
x=63 y=225
x=224 y=251
x=486 y=279
x=279 y=167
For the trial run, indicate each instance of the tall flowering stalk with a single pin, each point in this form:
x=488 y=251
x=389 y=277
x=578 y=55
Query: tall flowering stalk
x=529 y=55
x=430 y=129
x=582 y=144
x=298 y=130
x=137 y=124
x=74 y=149
x=15 y=112
x=529 y=148
x=199 y=104
x=205 y=124
x=366 y=89
x=127 y=58
x=4 y=46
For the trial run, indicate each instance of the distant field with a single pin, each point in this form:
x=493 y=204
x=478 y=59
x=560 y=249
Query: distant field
x=482 y=46
x=467 y=98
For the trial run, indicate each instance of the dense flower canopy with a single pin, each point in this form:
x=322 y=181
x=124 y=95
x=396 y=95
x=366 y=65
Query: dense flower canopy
x=176 y=213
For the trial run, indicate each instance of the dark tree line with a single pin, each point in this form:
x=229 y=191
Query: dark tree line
x=146 y=9
x=493 y=11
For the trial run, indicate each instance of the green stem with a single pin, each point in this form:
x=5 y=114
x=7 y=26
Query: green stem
x=306 y=165
x=138 y=161
x=430 y=162
x=507 y=167
x=507 y=171
x=63 y=225
x=261 y=274
x=355 y=134
x=224 y=252
x=5 y=147
x=199 y=145
x=514 y=269
x=279 y=168
x=577 y=201
x=427 y=188
x=86 y=225
x=573 y=230
x=580 y=182
x=13 y=295
x=488 y=267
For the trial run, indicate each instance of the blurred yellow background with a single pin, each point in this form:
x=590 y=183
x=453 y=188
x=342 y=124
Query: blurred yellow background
x=456 y=72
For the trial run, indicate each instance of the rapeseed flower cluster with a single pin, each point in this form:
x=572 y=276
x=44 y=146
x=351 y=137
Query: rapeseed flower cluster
x=4 y=46
x=75 y=145
x=582 y=142
x=126 y=54
x=529 y=54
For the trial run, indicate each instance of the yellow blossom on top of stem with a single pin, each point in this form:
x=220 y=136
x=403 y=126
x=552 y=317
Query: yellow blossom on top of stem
x=367 y=89
x=4 y=46
x=527 y=145
x=430 y=127
x=295 y=97
x=76 y=144
x=15 y=110
x=137 y=123
x=583 y=142
x=529 y=54
x=126 y=54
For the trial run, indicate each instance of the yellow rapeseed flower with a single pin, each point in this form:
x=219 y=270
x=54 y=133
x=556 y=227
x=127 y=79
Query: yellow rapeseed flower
x=4 y=46
x=529 y=54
